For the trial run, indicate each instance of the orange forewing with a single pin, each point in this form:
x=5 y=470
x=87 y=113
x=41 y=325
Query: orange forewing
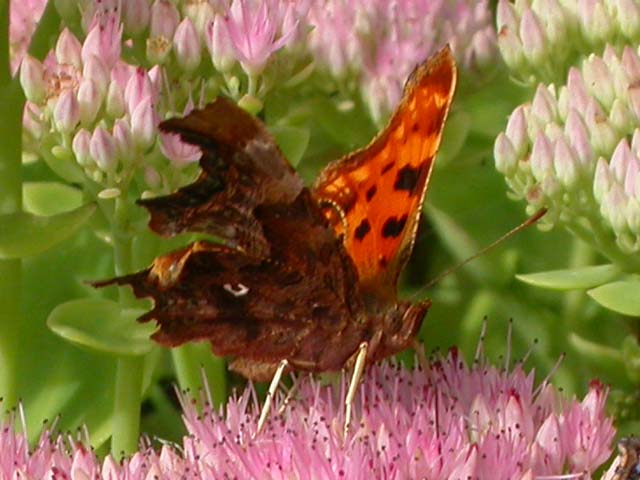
x=373 y=196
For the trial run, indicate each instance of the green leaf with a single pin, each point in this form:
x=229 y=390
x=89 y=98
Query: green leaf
x=622 y=297
x=349 y=128
x=23 y=234
x=571 y=279
x=293 y=141
x=597 y=353
x=50 y=198
x=102 y=325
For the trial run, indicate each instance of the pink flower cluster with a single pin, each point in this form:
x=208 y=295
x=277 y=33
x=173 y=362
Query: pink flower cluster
x=450 y=422
x=380 y=42
x=91 y=106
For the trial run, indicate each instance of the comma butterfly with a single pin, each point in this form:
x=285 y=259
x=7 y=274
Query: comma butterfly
x=303 y=275
x=626 y=466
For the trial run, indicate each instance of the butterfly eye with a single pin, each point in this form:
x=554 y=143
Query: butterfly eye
x=238 y=290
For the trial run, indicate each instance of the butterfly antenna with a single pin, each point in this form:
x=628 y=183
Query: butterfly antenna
x=526 y=224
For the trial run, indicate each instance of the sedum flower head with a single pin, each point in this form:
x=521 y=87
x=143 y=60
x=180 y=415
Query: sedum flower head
x=540 y=39
x=93 y=117
x=379 y=42
x=574 y=149
x=452 y=421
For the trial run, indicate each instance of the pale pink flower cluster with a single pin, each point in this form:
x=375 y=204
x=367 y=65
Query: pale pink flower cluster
x=93 y=116
x=575 y=149
x=451 y=422
x=380 y=42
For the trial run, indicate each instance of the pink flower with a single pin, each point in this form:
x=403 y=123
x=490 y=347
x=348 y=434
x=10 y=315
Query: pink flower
x=104 y=39
x=24 y=17
x=380 y=42
x=254 y=29
x=452 y=421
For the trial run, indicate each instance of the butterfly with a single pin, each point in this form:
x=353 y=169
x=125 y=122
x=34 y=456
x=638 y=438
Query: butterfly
x=626 y=466
x=302 y=278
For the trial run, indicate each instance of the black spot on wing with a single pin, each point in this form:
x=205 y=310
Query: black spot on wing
x=371 y=192
x=363 y=229
x=406 y=179
x=387 y=167
x=393 y=227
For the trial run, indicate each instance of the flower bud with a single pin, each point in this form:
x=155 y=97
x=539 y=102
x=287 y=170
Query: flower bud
x=80 y=147
x=164 y=19
x=532 y=36
x=628 y=18
x=143 y=125
x=138 y=88
x=32 y=79
x=201 y=14
x=66 y=113
x=103 y=150
x=220 y=46
x=505 y=156
x=598 y=78
x=115 y=106
x=104 y=41
x=69 y=49
x=544 y=105
x=89 y=100
x=577 y=90
x=541 y=160
x=613 y=208
x=565 y=164
x=631 y=177
x=576 y=131
x=135 y=16
x=620 y=161
x=620 y=118
x=186 y=45
x=95 y=70
x=597 y=24
x=517 y=131
x=124 y=140
x=602 y=180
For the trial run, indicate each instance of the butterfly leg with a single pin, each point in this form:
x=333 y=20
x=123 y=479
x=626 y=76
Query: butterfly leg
x=292 y=391
x=275 y=381
x=358 y=368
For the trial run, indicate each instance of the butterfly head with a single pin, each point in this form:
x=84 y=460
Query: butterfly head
x=400 y=326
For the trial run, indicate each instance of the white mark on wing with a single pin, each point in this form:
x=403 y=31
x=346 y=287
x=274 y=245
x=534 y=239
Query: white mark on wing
x=238 y=290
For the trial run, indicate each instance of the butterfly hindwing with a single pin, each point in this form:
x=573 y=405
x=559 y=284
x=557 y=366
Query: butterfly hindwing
x=299 y=303
x=373 y=196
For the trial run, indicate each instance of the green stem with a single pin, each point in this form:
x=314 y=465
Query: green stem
x=10 y=202
x=595 y=235
x=130 y=369
x=191 y=360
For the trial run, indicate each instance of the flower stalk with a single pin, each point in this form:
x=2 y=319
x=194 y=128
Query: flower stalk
x=10 y=202
x=129 y=369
